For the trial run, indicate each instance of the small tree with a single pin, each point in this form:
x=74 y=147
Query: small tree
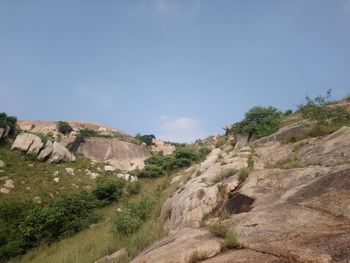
x=147 y=139
x=64 y=127
x=8 y=121
x=260 y=121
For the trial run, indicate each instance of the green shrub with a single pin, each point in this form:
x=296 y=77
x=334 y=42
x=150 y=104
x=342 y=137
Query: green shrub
x=231 y=241
x=259 y=122
x=10 y=121
x=243 y=174
x=88 y=133
x=147 y=139
x=319 y=109
x=64 y=127
x=133 y=188
x=108 y=190
x=129 y=220
x=26 y=225
x=159 y=164
x=150 y=171
x=126 y=224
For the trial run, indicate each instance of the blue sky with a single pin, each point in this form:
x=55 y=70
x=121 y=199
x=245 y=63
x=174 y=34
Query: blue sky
x=178 y=69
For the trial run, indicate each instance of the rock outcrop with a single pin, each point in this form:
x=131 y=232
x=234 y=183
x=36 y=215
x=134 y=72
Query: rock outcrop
x=31 y=144
x=60 y=154
x=122 y=155
x=293 y=207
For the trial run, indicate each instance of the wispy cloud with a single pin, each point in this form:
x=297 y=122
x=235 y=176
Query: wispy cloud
x=96 y=96
x=169 y=12
x=180 y=129
x=347 y=5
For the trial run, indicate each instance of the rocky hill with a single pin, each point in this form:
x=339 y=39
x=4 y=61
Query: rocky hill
x=293 y=205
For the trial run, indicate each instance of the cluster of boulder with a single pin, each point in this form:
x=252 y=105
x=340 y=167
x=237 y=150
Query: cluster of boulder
x=53 y=152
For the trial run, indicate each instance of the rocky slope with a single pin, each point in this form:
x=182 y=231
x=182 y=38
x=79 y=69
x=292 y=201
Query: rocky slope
x=293 y=207
x=113 y=147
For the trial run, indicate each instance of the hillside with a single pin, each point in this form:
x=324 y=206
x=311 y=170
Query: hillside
x=274 y=191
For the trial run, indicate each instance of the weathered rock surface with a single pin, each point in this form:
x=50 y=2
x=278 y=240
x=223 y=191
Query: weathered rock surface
x=122 y=155
x=60 y=154
x=180 y=247
x=28 y=143
x=46 y=152
x=299 y=214
x=161 y=146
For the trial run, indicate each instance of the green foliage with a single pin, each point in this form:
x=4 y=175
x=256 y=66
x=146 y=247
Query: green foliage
x=108 y=190
x=288 y=112
x=221 y=231
x=231 y=240
x=26 y=225
x=129 y=220
x=9 y=121
x=319 y=109
x=133 y=188
x=243 y=174
x=159 y=164
x=260 y=121
x=64 y=127
x=88 y=133
x=150 y=171
x=147 y=138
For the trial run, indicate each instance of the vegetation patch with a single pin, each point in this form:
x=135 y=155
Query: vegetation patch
x=222 y=231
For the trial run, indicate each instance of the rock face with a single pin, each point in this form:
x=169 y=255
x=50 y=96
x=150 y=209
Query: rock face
x=293 y=207
x=181 y=246
x=161 y=146
x=122 y=155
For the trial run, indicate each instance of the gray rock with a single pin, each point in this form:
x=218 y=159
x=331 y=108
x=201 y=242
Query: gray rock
x=60 y=154
x=45 y=153
x=242 y=140
x=2 y=164
x=27 y=142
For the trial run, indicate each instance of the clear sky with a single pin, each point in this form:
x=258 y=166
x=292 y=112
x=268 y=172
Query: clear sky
x=177 y=69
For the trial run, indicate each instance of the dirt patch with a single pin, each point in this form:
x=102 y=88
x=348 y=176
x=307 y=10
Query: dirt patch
x=239 y=203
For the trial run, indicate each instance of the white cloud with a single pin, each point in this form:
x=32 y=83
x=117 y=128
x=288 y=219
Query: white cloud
x=181 y=129
x=97 y=96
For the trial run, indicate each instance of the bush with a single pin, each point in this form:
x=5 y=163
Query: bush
x=159 y=164
x=129 y=220
x=9 y=121
x=108 y=190
x=318 y=109
x=26 y=225
x=147 y=139
x=259 y=122
x=88 y=133
x=150 y=171
x=64 y=127
x=133 y=188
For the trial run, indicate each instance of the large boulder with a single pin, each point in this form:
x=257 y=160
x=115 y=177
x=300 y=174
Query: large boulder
x=60 y=154
x=122 y=155
x=28 y=143
x=45 y=153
